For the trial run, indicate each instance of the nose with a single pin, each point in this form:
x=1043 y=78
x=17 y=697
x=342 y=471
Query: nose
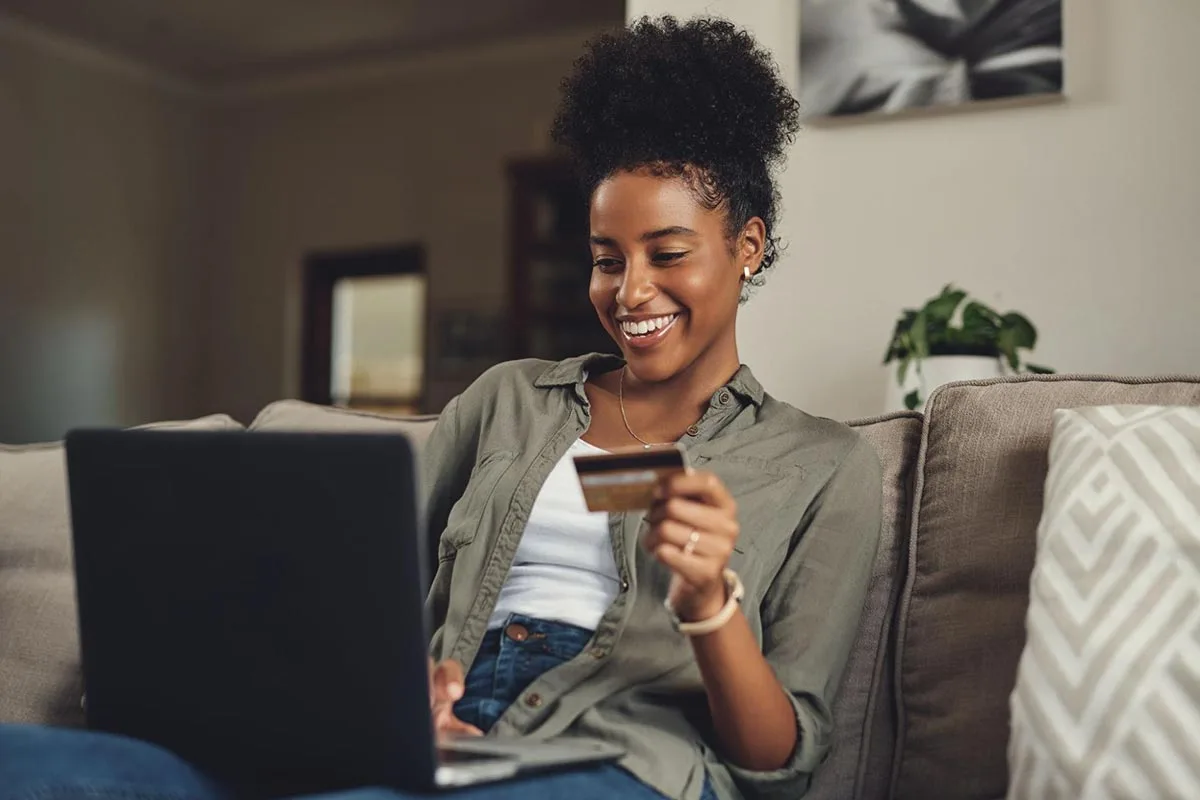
x=637 y=286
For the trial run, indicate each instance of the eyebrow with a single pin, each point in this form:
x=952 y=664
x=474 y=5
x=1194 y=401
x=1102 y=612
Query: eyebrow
x=674 y=230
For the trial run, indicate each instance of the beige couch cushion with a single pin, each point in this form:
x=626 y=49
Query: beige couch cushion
x=294 y=415
x=39 y=646
x=860 y=763
x=976 y=511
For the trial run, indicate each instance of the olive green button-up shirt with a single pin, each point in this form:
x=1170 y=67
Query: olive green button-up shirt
x=809 y=507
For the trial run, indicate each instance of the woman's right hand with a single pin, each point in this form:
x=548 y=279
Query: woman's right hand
x=446 y=687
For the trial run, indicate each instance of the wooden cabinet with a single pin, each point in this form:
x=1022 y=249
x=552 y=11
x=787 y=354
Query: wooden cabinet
x=550 y=264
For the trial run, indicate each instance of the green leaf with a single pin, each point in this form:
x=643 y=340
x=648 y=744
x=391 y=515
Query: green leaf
x=912 y=399
x=899 y=347
x=1023 y=332
x=940 y=309
x=1038 y=370
x=980 y=324
x=1006 y=341
x=902 y=372
x=919 y=336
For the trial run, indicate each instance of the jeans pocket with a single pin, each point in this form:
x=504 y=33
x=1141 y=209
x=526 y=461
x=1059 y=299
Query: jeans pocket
x=564 y=645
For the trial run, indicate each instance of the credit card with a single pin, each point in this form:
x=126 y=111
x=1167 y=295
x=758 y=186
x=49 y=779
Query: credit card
x=624 y=480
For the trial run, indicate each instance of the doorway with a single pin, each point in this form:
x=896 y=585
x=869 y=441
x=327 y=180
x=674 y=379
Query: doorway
x=364 y=339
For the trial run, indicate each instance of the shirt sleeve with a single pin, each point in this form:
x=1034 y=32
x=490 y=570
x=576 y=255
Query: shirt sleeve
x=811 y=614
x=446 y=462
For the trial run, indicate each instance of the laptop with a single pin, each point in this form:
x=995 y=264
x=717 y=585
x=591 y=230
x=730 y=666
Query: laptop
x=254 y=602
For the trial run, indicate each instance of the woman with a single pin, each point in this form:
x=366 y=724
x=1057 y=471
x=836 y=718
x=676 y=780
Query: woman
x=627 y=628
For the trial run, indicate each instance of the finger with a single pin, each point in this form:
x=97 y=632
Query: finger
x=700 y=516
x=450 y=734
x=694 y=571
x=703 y=486
x=448 y=681
x=679 y=536
x=702 y=545
x=686 y=509
x=445 y=721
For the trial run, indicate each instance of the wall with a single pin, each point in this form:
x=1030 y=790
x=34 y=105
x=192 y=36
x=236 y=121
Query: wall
x=151 y=235
x=98 y=279
x=1082 y=214
x=415 y=154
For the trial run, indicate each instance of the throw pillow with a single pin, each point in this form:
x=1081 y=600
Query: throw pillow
x=1107 y=698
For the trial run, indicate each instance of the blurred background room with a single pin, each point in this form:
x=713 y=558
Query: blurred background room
x=209 y=205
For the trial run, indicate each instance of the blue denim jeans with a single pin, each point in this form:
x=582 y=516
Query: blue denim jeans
x=39 y=763
x=509 y=659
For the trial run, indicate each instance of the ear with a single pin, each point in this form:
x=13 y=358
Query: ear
x=751 y=244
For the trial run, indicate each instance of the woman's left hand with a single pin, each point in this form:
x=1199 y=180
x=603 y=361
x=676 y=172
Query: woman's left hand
x=693 y=526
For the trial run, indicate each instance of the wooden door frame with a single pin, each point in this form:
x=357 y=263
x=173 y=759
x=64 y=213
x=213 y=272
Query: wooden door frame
x=322 y=271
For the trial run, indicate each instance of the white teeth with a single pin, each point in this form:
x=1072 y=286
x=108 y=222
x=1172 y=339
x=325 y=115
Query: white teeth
x=646 y=326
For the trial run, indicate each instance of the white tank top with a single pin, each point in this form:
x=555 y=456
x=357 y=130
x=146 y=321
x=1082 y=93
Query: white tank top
x=564 y=568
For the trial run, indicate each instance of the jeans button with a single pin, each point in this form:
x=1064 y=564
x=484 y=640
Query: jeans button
x=517 y=632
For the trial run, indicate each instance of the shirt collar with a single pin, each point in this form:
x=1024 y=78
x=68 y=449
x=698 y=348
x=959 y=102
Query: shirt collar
x=574 y=371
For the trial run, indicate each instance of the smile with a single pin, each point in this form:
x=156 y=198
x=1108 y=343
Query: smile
x=648 y=331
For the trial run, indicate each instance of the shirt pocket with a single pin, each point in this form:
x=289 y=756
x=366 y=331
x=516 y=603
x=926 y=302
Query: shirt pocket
x=474 y=510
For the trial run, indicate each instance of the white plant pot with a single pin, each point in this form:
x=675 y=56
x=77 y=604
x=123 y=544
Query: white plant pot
x=935 y=371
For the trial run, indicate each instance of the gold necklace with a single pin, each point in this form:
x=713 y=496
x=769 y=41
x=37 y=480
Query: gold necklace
x=621 y=402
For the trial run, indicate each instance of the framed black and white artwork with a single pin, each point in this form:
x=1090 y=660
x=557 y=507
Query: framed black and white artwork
x=863 y=58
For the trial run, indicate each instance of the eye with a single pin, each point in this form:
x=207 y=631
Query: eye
x=669 y=257
x=607 y=264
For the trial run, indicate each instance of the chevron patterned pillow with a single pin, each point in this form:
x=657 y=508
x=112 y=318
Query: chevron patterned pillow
x=1107 y=698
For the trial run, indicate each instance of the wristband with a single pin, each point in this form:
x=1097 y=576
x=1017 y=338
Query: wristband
x=735 y=590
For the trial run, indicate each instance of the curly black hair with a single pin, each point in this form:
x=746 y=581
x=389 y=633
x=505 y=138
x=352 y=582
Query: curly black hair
x=699 y=100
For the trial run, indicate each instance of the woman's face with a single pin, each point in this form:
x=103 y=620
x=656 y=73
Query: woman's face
x=665 y=280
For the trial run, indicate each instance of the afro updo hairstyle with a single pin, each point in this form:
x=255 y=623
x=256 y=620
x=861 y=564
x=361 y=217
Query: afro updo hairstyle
x=699 y=100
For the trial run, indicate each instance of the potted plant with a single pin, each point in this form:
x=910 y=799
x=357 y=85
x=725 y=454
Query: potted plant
x=937 y=344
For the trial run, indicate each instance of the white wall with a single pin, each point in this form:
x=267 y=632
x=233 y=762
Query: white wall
x=98 y=278
x=1084 y=215
x=412 y=155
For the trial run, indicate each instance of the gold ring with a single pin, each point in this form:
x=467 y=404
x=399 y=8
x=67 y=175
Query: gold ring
x=690 y=547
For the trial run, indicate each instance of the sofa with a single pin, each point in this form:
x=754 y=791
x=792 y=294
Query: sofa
x=923 y=710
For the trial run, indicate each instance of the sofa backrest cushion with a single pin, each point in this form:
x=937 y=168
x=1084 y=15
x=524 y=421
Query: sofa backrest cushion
x=977 y=504
x=859 y=766
x=40 y=679
x=295 y=415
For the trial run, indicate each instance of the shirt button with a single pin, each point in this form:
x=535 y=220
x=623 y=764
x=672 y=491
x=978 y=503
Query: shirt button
x=517 y=632
x=692 y=430
x=624 y=586
x=599 y=652
x=723 y=398
x=534 y=700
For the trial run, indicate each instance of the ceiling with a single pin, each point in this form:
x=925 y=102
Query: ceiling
x=226 y=41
